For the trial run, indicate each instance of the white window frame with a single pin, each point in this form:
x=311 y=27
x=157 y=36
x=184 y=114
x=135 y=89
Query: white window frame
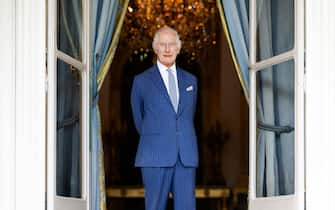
x=55 y=202
x=288 y=202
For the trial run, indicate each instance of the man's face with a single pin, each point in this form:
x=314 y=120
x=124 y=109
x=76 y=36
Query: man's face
x=167 y=48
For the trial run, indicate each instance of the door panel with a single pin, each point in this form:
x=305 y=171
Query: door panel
x=275 y=28
x=276 y=157
x=68 y=105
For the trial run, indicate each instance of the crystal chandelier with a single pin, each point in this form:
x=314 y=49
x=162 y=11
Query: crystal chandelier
x=193 y=20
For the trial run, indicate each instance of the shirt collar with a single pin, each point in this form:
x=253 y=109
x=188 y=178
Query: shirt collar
x=162 y=67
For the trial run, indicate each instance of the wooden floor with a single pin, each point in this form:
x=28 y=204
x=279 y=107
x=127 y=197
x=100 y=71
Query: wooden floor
x=202 y=192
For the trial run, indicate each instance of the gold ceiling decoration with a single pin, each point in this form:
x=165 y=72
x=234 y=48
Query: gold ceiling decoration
x=193 y=19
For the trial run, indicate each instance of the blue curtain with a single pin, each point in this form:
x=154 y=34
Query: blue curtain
x=275 y=144
x=275 y=160
x=236 y=15
x=105 y=16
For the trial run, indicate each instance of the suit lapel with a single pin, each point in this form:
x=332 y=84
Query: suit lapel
x=182 y=90
x=158 y=81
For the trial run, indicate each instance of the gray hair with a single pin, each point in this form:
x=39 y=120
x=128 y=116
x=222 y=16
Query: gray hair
x=165 y=29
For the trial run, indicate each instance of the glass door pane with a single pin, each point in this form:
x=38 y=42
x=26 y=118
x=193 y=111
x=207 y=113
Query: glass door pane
x=69 y=27
x=275 y=146
x=275 y=28
x=68 y=151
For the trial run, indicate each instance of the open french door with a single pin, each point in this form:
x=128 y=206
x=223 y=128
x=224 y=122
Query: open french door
x=68 y=105
x=276 y=162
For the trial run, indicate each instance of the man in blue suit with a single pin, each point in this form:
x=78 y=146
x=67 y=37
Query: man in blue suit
x=163 y=100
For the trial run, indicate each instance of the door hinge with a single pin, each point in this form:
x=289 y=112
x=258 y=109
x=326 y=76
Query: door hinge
x=46 y=84
x=304 y=82
x=46 y=71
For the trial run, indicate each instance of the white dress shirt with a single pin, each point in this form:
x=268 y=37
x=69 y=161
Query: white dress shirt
x=163 y=70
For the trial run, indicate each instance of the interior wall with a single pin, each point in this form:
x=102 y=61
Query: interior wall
x=235 y=118
x=224 y=119
x=118 y=132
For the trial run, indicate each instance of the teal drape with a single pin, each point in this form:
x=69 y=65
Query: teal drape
x=107 y=21
x=235 y=18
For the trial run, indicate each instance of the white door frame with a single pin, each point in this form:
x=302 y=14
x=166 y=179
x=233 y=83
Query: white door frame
x=22 y=119
x=320 y=104
x=22 y=104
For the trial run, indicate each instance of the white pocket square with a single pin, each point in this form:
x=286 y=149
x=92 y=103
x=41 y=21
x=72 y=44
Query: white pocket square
x=189 y=88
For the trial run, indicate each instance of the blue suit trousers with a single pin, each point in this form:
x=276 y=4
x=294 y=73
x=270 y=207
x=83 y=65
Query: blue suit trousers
x=178 y=179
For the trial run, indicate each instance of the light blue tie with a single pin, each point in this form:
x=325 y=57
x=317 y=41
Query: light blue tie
x=173 y=90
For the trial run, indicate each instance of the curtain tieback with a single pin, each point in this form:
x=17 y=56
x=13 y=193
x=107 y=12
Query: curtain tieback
x=68 y=122
x=275 y=128
x=95 y=99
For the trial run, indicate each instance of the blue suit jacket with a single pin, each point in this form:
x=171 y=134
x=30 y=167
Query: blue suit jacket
x=163 y=132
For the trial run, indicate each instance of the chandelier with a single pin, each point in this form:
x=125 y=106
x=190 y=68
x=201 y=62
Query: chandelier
x=193 y=20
